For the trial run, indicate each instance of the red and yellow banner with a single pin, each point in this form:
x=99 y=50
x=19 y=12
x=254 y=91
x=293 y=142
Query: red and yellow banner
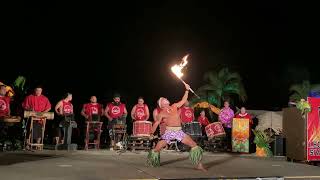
x=240 y=135
x=313 y=130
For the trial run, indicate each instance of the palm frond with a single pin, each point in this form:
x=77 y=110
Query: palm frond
x=315 y=87
x=20 y=82
x=211 y=78
x=221 y=85
x=300 y=91
x=233 y=77
x=207 y=87
x=223 y=73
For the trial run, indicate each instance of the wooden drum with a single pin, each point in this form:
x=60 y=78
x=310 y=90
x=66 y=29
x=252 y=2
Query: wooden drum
x=47 y=115
x=11 y=119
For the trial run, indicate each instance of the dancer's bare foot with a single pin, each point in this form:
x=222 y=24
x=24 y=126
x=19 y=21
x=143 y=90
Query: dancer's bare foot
x=201 y=167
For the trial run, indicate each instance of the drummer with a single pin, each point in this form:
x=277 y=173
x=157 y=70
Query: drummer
x=115 y=111
x=38 y=103
x=4 y=108
x=4 y=102
x=92 y=109
x=203 y=120
x=140 y=111
x=63 y=108
x=92 y=112
x=186 y=113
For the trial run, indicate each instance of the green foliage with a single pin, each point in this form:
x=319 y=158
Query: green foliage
x=19 y=83
x=220 y=86
x=262 y=140
x=301 y=91
x=304 y=107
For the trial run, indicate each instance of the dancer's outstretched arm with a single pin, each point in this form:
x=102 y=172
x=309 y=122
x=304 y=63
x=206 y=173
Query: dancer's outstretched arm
x=184 y=98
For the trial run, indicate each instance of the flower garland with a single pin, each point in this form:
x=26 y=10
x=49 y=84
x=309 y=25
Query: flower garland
x=225 y=116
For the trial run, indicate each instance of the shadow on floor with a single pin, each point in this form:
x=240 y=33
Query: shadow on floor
x=174 y=161
x=14 y=158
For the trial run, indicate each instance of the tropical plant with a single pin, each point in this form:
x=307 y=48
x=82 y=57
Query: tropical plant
x=221 y=86
x=304 y=107
x=262 y=141
x=301 y=91
x=20 y=90
x=19 y=84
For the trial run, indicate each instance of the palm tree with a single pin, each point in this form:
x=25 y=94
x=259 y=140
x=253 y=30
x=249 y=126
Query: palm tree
x=19 y=88
x=221 y=86
x=301 y=91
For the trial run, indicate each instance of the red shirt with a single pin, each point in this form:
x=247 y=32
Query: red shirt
x=245 y=116
x=4 y=105
x=116 y=111
x=141 y=113
x=90 y=109
x=36 y=103
x=67 y=107
x=203 y=121
x=186 y=114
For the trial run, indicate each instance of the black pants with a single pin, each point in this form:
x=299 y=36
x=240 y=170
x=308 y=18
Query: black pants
x=57 y=128
x=37 y=130
x=110 y=128
x=228 y=137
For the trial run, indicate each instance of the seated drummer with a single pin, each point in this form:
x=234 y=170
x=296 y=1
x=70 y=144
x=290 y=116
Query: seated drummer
x=63 y=108
x=140 y=111
x=186 y=113
x=4 y=102
x=38 y=103
x=115 y=112
x=203 y=120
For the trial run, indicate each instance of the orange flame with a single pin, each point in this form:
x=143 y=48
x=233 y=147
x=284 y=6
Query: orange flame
x=176 y=69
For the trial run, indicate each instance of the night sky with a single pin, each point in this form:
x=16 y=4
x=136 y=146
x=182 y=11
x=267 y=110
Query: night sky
x=129 y=48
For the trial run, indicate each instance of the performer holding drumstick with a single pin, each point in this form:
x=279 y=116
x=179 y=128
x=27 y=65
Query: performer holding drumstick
x=115 y=112
x=38 y=103
x=140 y=111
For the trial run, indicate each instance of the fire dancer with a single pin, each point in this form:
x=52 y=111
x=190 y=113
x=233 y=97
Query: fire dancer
x=169 y=114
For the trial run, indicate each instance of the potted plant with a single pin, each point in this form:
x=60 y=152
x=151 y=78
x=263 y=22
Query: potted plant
x=262 y=141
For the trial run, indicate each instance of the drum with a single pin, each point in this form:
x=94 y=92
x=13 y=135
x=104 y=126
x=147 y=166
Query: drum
x=142 y=128
x=11 y=119
x=95 y=118
x=47 y=115
x=192 y=129
x=215 y=130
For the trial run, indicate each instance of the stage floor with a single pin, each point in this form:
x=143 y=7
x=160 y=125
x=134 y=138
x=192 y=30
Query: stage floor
x=96 y=165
